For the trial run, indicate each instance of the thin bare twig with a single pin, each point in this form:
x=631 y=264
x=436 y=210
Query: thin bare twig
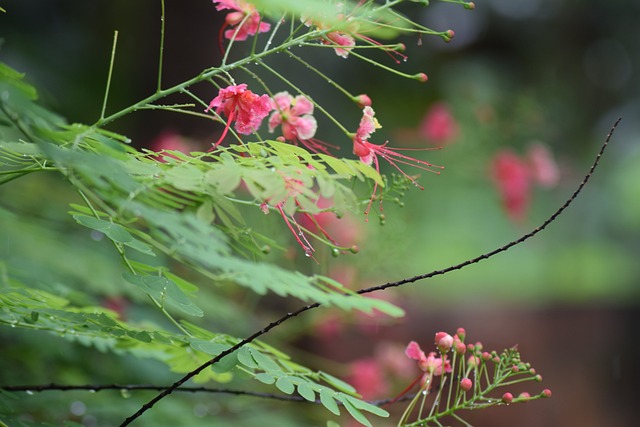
x=38 y=388
x=413 y=279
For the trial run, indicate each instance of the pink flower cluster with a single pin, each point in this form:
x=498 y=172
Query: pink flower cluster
x=436 y=364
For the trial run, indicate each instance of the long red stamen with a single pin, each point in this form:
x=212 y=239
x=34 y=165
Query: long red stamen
x=375 y=189
x=317 y=224
x=221 y=36
x=389 y=51
x=405 y=391
x=316 y=146
x=224 y=132
x=299 y=234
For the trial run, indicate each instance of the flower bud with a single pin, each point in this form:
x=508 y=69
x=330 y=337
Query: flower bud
x=461 y=333
x=363 y=100
x=443 y=341
x=460 y=348
x=507 y=398
x=546 y=393
x=421 y=77
x=466 y=384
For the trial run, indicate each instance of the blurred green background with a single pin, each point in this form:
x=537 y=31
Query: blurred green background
x=559 y=72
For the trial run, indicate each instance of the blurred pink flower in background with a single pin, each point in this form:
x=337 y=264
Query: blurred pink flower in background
x=544 y=168
x=367 y=376
x=438 y=125
x=514 y=177
x=172 y=141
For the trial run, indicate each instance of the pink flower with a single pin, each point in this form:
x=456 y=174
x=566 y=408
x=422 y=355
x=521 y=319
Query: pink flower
x=245 y=107
x=343 y=40
x=242 y=11
x=367 y=377
x=295 y=116
x=438 y=126
x=512 y=177
x=369 y=152
x=430 y=364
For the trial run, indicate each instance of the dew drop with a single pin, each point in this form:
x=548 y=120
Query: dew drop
x=307 y=253
x=125 y=393
x=29 y=392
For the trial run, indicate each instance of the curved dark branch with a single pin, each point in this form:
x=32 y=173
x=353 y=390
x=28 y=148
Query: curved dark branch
x=413 y=279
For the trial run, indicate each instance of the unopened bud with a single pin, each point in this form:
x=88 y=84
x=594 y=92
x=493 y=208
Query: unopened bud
x=471 y=5
x=354 y=249
x=443 y=341
x=507 y=398
x=546 y=393
x=461 y=333
x=460 y=348
x=524 y=396
x=421 y=77
x=466 y=384
x=363 y=100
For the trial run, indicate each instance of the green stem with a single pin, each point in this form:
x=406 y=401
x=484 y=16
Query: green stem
x=203 y=76
x=161 y=54
x=321 y=74
x=133 y=271
x=113 y=58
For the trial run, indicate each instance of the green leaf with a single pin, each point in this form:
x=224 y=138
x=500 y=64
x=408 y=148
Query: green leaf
x=305 y=390
x=366 y=406
x=245 y=357
x=211 y=348
x=337 y=383
x=163 y=289
x=285 y=385
x=326 y=398
x=264 y=362
x=356 y=414
x=265 y=378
